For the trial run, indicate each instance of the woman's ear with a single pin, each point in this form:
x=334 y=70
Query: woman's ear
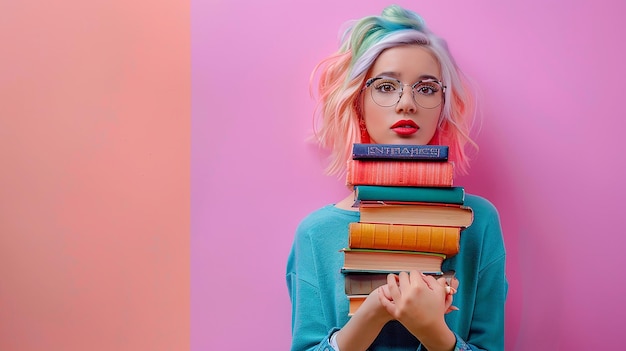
x=365 y=136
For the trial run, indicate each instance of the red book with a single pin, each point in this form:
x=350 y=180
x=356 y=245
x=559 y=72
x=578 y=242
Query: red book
x=400 y=173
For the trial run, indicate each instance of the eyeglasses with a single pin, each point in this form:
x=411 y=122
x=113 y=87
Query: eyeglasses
x=427 y=93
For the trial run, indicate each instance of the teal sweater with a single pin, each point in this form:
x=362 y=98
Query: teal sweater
x=320 y=306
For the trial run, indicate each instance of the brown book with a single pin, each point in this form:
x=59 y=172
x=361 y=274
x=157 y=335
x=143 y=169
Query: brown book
x=400 y=173
x=404 y=237
x=391 y=261
x=417 y=214
x=364 y=283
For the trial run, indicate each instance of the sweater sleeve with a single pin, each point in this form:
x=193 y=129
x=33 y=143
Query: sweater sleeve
x=314 y=315
x=308 y=327
x=480 y=268
x=460 y=345
x=487 y=325
x=486 y=328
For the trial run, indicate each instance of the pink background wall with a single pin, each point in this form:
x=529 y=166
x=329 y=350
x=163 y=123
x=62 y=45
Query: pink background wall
x=140 y=211
x=551 y=76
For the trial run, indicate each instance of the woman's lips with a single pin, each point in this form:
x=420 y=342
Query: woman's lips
x=405 y=127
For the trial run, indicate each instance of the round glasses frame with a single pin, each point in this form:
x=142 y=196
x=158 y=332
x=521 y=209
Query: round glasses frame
x=387 y=92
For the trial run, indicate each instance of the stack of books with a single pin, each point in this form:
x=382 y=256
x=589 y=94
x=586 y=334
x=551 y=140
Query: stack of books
x=411 y=214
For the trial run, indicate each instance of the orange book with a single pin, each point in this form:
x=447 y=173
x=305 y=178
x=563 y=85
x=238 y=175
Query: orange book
x=400 y=173
x=404 y=237
x=355 y=302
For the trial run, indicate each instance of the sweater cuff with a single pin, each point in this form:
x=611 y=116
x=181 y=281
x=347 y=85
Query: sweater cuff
x=460 y=345
x=325 y=345
x=333 y=341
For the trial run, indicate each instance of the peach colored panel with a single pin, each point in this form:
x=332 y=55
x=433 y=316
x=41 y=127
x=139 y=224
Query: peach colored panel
x=94 y=184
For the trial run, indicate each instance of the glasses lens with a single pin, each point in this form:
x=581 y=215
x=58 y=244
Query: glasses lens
x=386 y=92
x=428 y=94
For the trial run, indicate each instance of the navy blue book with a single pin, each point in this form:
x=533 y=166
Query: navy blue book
x=399 y=152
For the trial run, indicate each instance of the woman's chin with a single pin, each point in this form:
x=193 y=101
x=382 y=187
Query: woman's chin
x=400 y=140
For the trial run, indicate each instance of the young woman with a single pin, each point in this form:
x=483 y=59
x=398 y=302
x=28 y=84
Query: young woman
x=394 y=82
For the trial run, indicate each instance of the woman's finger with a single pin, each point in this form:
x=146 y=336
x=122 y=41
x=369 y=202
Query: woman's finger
x=404 y=280
x=393 y=287
x=431 y=282
x=384 y=290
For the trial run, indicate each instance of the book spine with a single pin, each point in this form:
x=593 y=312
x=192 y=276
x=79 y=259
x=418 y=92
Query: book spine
x=449 y=195
x=417 y=214
x=400 y=173
x=388 y=260
x=404 y=237
x=400 y=152
x=364 y=283
x=355 y=301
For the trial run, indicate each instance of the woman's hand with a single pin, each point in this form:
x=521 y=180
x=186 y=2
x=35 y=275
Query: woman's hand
x=419 y=302
x=373 y=307
x=365 y=325
x=451 y=285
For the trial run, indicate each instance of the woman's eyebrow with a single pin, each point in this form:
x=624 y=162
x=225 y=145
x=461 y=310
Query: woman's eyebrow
x=397 y=76
x=428 y=76
x=389 y=74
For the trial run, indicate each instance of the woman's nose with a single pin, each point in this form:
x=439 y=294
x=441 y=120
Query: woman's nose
x=407 y=103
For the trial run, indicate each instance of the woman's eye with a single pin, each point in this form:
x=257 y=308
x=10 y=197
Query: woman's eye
x=426 y=89
x=386 y=87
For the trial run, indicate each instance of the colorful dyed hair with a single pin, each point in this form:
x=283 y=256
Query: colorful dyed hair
x=342 y=77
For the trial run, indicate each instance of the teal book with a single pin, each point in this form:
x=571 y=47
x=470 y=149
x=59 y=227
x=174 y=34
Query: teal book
x=443 y=195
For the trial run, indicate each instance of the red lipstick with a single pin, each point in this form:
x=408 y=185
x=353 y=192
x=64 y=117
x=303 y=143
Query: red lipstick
x=405 y=127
